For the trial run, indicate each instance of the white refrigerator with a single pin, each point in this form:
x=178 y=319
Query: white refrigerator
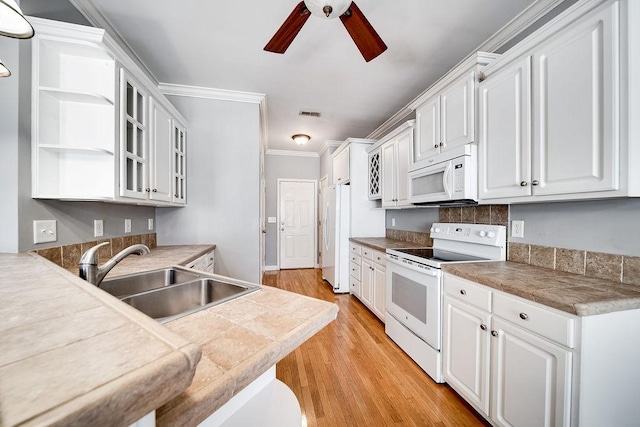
x=335 y=223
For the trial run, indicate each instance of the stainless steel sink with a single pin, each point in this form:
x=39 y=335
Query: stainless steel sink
x=171 y=302
x=148 y=280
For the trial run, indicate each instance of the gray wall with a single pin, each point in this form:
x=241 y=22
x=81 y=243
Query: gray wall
x=58 y=10
x=418 y=219
x=275 y=167
x=9 y=100
x=610 y=226
x=74 y=219
x=223 y=187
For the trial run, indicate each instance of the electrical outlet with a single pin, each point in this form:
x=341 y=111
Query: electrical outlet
x=393 y=222
x=517 y=228
x=98 y=228
x=127 y=226
x=45 y=231
x=150 y=224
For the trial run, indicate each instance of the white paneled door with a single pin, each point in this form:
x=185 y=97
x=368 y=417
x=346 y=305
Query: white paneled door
x=297 y=223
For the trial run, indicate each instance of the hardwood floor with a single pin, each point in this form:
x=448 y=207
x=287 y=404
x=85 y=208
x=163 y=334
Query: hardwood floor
x=352 y=374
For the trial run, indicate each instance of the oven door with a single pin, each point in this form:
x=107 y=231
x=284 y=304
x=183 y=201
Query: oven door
x=414 y=298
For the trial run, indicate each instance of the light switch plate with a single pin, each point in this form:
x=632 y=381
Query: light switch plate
x=271 y=219
x=127 y=226
x=98 y=228
x=150 y=224
x=45 y=231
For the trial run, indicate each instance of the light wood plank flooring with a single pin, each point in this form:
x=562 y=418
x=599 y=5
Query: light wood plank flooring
x=352 y=374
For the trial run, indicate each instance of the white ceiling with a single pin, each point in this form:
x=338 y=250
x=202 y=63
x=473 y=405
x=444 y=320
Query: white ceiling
x=219 y=45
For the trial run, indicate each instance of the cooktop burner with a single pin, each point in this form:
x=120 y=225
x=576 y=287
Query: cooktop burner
x=439 y=255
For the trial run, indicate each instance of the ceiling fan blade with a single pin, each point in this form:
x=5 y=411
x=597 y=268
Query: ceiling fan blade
x=289 y=29
x=364 y=36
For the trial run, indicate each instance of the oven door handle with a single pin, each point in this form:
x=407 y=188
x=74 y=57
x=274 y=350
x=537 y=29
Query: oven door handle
x=429 y=271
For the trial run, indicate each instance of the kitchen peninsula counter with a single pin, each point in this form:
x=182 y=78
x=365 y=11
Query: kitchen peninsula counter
x=571 y=293
x=73 y=354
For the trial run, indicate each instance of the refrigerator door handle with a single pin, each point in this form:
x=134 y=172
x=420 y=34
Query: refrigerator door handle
x=325 y=231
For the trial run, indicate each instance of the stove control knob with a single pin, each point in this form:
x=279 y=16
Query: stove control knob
x=482 y=233
x=435 y=229
x=491 y=234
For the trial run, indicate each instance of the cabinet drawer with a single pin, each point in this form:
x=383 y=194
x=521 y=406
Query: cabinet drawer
x=354 y=270
x=355 y=258
x=544 y=321
x=354 y=286
x=355 y=249
x=468 y=291
x=375 y=256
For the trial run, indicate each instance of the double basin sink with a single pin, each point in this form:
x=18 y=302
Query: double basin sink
x=169 y=293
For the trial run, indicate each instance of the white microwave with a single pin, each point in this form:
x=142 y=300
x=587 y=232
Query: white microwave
x=452 y=177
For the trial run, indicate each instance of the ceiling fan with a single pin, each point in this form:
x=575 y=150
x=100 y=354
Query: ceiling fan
x=364 y=36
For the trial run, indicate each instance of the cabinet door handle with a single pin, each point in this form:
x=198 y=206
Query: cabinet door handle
x=523 y=183
x=147 y=190
x=463 y=292
x=535 y=182
x=441 y=144
x=436 y=146
x=155 y=190
x=483 y=327
x=494 y=333
x=524 y=316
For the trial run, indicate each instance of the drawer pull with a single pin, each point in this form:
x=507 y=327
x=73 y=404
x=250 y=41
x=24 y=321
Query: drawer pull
x=463 y=292
x=494 y=333
x=483 y=327
x=524 y=316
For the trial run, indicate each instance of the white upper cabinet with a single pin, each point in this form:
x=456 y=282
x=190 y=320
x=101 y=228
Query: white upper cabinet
x=446 y=112
x=160 y=153
x=73 y=113
x=375 y=167
x=134 y=156
x=395 y=159
x=550 y=118
x=504 y=144
x=101 y=130
x=341 y=167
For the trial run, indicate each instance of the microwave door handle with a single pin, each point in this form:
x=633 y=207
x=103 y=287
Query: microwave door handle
x=446 y=180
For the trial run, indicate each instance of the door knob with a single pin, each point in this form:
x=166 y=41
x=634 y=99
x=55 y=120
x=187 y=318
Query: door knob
x=282 y=229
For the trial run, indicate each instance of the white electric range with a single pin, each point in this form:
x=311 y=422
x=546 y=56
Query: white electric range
x=414 y=286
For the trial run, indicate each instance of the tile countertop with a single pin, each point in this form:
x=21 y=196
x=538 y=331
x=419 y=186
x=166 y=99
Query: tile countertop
x=382 y=243
x=74 y=355
x=240 y=339
x=572 y=293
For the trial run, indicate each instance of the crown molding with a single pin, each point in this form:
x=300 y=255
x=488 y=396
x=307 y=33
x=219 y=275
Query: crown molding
x=291 y=153
x=97 y=19
x=211 y=93
x=329 y=144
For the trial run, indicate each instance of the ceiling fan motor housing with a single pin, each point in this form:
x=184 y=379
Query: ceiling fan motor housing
x=327 y=9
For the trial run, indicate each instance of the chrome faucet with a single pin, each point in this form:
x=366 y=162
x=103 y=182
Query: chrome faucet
x=88 y=265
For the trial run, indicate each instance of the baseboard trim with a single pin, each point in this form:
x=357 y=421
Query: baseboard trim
x=271 y=268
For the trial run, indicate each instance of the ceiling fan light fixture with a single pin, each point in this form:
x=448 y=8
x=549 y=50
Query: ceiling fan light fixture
x=300 y=138
x=328 y=9
x=12 y=21
x=4 y=71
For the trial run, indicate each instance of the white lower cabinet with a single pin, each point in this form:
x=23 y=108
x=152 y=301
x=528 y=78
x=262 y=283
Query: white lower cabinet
x=355 y=270
x=369 y=285
x=205 y=263
x=530 y=378
x=520 y=363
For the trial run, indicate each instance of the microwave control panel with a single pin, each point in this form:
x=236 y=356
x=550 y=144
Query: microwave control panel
x=458 y=177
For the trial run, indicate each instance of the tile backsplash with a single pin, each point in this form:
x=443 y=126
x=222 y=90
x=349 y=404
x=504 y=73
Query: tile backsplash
x=476 y=214
x=617 y=268
x=68 y=256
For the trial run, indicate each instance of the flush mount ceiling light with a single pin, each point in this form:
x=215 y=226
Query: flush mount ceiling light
x=301 y=138
x=4 y=71
x=329 y=8
x=12 y=21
